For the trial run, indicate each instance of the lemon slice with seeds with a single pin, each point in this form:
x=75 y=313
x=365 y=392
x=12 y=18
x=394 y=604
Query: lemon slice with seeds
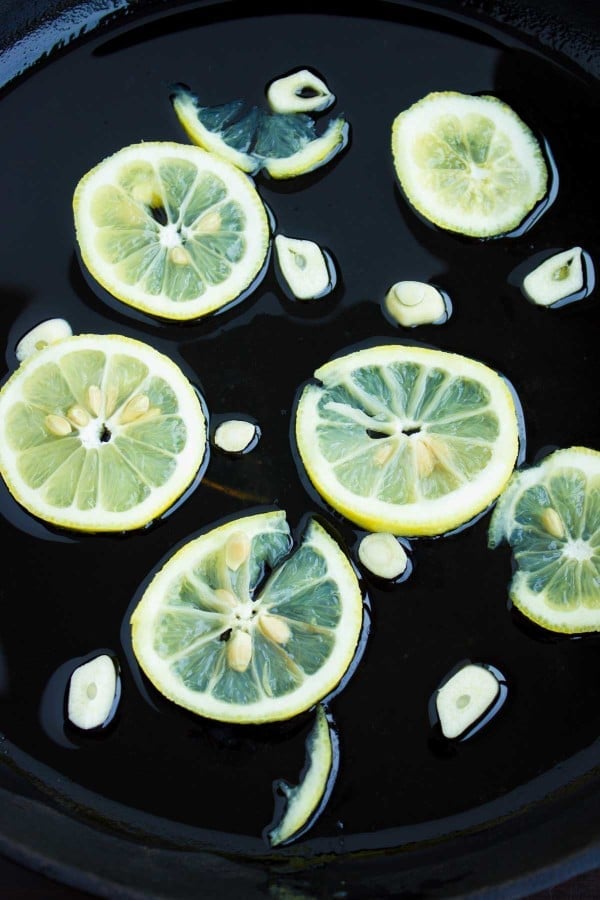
x=170 y=229
x=282 y=144
x=468 y=163
x=236 y=629
x=406 y=439
x=550 y=516
x=99 y=433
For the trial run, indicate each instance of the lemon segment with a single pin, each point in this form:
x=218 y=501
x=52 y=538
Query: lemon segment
x=304 y=799
x=406 y=439
x=468 y=163
x=208 y=128
x=284 y=145
x=314 y=154
x=235 y=628
x=170 y=229
x=549 y=514
x=99 y=433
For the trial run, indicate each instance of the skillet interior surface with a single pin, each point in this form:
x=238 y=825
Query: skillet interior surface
x=168 y=797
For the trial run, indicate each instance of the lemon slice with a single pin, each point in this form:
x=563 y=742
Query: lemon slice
x=234 y=629
x=468 y=163
x=306 y=798
x=550 y=516
x=99 y=433
x=170 y=229
x=406 y=439
x=283 y=144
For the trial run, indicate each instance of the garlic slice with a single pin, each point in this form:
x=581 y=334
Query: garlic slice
x=302 y=91
x=413 y=303
x=464 y=698
x=92 y=691
x=304 y=267
x=556 y=278
x=234 y=435
x=48 y=332
x=383 y=555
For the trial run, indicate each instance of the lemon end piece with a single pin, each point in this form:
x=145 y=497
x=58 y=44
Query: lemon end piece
x=304 y=800
x=313 y=155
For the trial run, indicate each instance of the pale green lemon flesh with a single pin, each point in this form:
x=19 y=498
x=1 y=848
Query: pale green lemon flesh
x=99 y=433
x=468 y=163
x=550 y=516
x=407 y=440
x=171 y=229
x=235 y=628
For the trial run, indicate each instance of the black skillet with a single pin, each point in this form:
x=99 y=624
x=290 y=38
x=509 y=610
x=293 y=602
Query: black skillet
x=165 y=805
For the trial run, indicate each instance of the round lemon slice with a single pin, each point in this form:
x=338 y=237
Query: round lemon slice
x=99 y=433
x=468 y=163
x=282 y=144
x=236 y=629
x=406 y=439
x=550 y=516
x=170 y=229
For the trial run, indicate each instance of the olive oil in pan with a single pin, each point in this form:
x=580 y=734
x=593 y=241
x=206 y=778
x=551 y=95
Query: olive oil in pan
x=76 y=592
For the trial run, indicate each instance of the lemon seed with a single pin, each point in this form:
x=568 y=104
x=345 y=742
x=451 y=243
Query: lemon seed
x=239 y=651
x=237 y=550
x=209 y=223
x=58 y=425
x=552 y=522
x=425 y=459
x=225 y=596
x=134 y=408
x=94 y=399
x=78 y=416
x=179 y=256
x=383 y=454
x=275 y=628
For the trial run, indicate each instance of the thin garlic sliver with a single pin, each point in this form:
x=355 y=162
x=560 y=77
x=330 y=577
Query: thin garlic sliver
x=300 y=92
x=413 y=303
x=304 y=267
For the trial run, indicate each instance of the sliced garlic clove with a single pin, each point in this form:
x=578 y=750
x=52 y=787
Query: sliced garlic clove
x=300 y=92
x=383 y=555
x=304 y=266
x=556 y=278
x=413 y=303
x=234 y=435
x=92 y=690
x=44 y=334
x=464 y=698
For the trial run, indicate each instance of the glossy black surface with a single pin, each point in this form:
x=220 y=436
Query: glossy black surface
x=398 y=782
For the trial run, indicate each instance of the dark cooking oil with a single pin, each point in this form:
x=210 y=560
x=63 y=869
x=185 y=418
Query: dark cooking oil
x=67 y=597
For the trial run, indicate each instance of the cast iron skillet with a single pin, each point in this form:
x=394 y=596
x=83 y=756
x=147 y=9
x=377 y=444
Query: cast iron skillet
x=509 y=857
